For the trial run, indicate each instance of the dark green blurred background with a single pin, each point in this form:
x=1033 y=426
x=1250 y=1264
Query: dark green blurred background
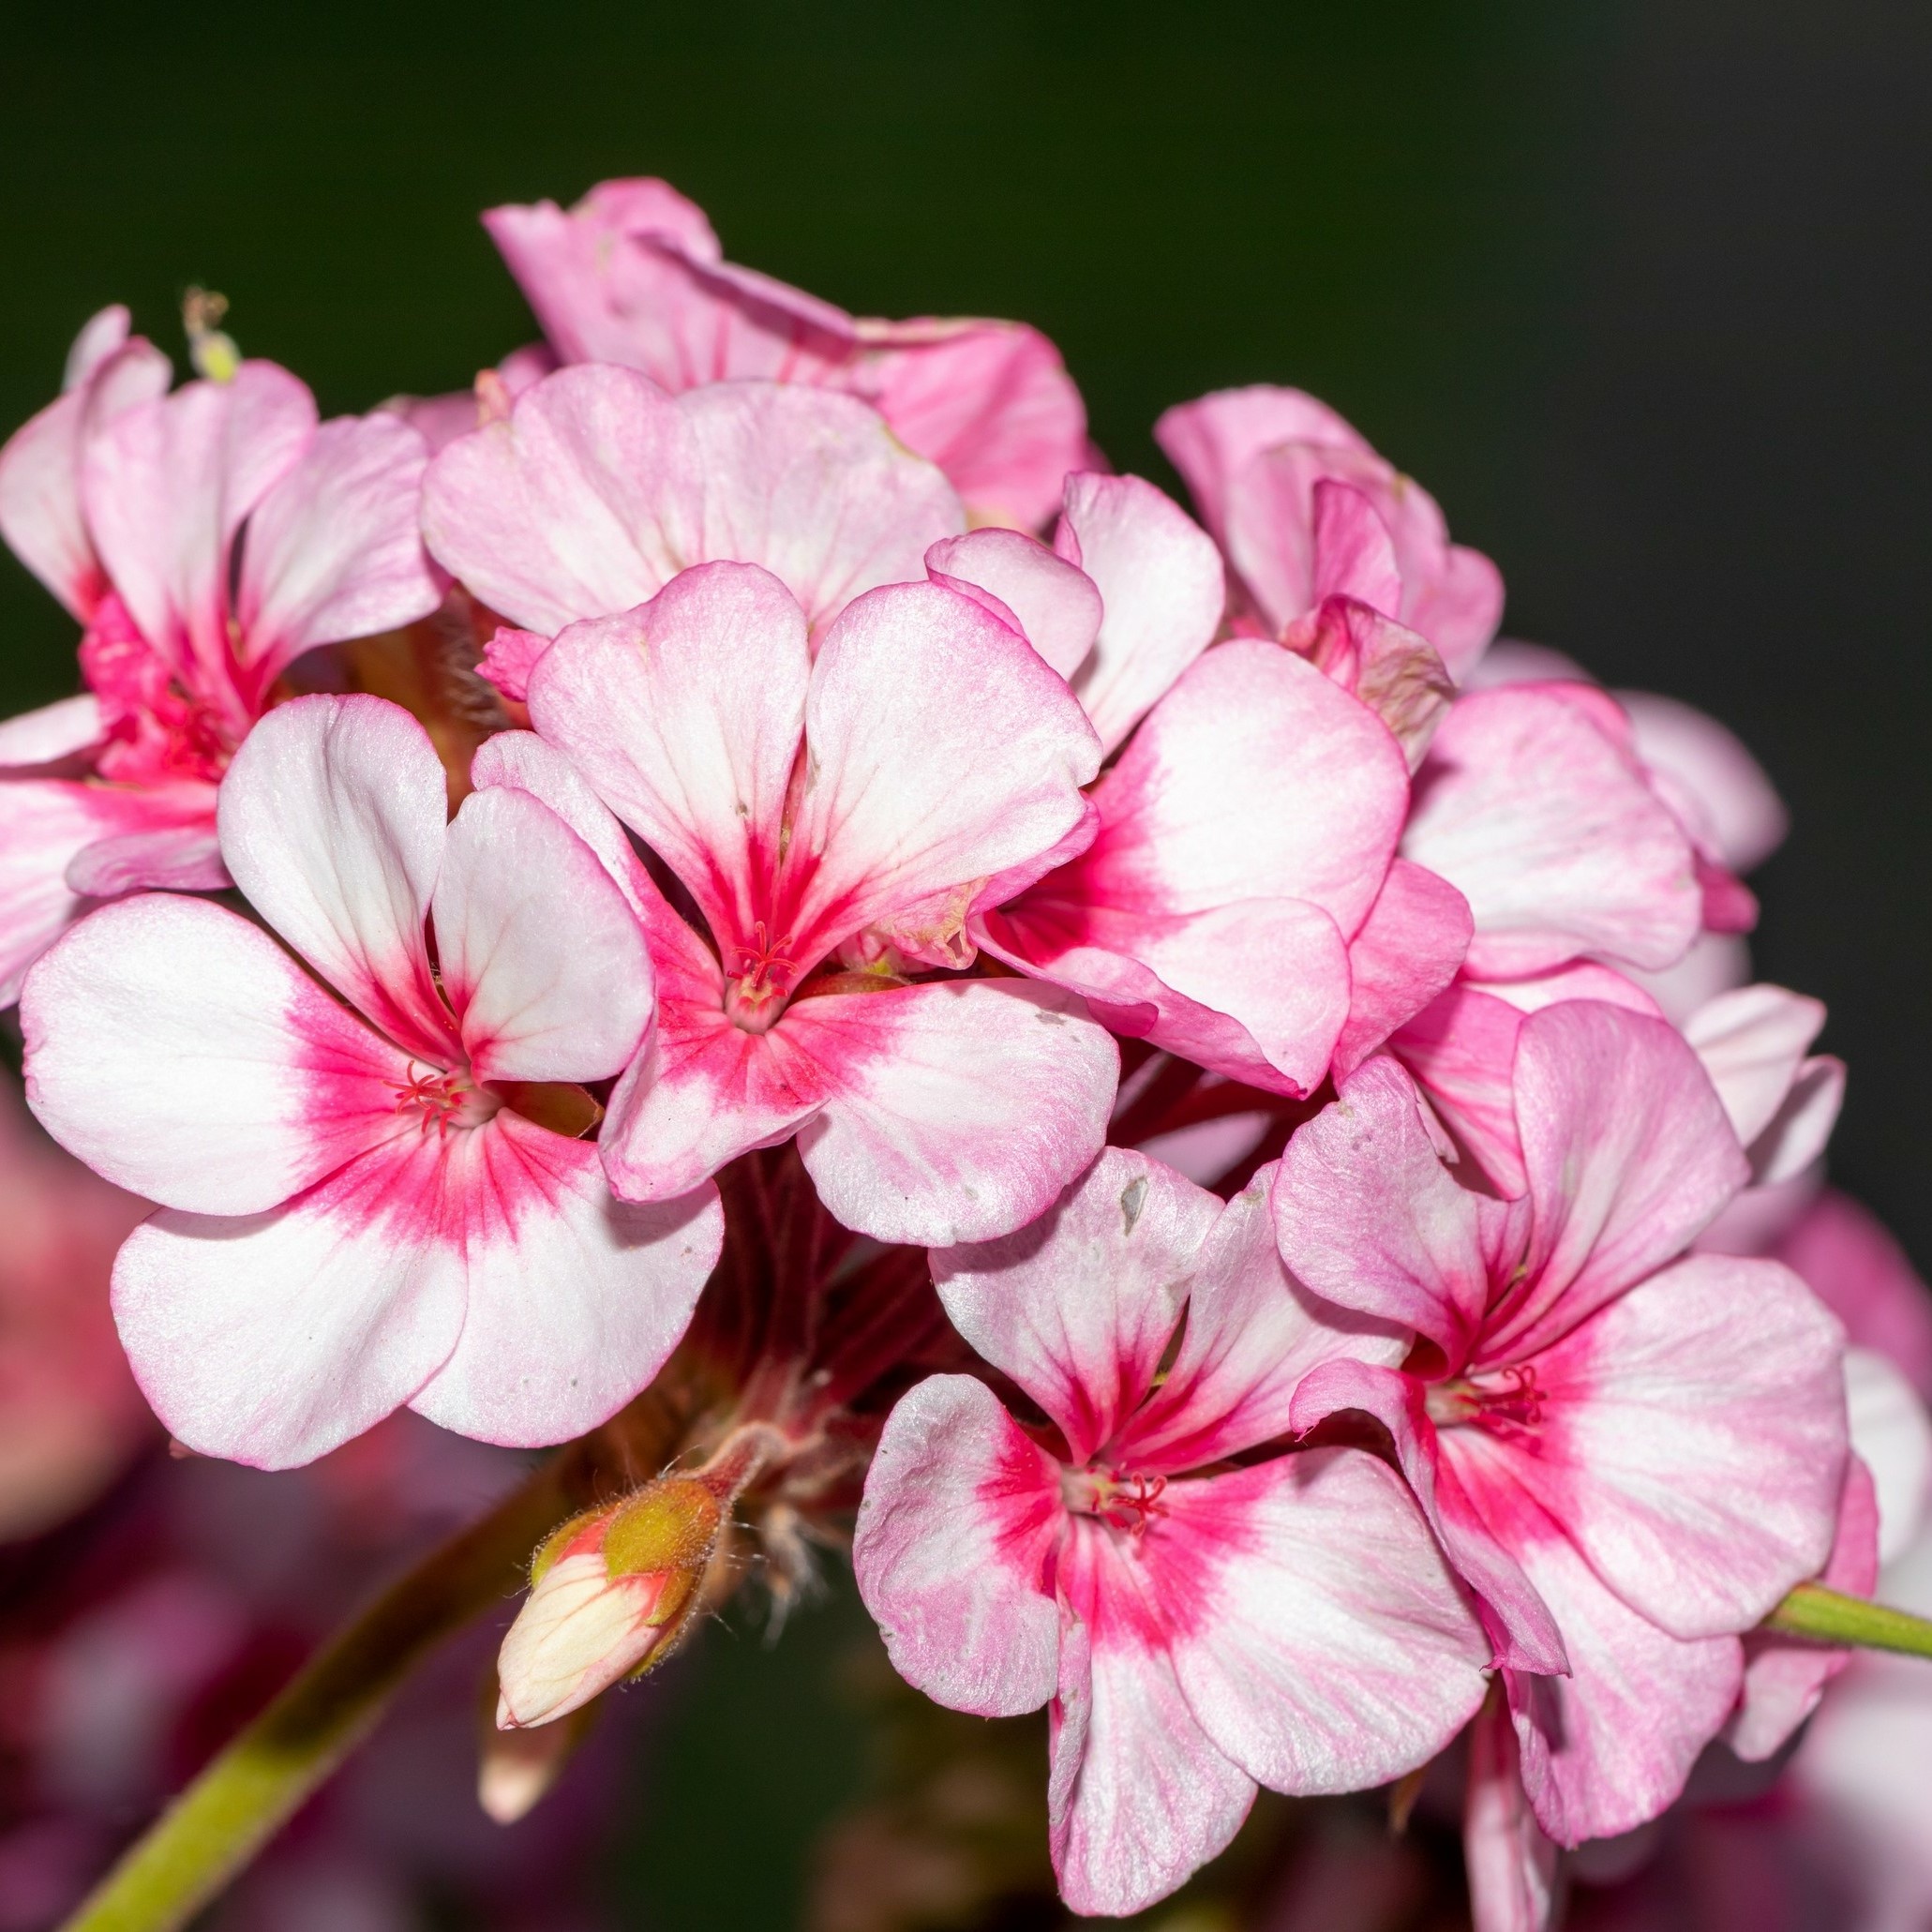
x=1638 y=290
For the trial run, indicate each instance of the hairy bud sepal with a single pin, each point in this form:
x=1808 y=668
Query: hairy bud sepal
x=614 y=1590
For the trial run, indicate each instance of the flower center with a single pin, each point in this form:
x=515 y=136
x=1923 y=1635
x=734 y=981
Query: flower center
x=441 y=1100
x=1508 y=1405
x=1122 y=1500
x=760 y=980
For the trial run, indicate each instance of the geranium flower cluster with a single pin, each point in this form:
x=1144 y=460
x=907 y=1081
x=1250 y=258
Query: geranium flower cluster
x=1140 y=1064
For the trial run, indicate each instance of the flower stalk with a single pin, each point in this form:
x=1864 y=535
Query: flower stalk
x=1828 y=1616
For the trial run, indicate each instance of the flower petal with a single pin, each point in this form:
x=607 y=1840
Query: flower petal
x=685 y=717
x=1056 y=605
x=585 y=502
x=1693 y=1441
x=333 y=549
x=540 y=958
x=991 y=403
x=813 y=486
x=1533 y=810
x=1609 y=1747
x=1628 y=1154
x=168 y=484
x=40 y=512
x=1139 y=1796
x=273 y=1339
x=332 y=823
x=179 y=1051
x=1252 y=1333
x=941 y=750
x=1078 y=1306
x=183 y=856
x=1320 y=1639
x=1161 y=583
x=573 y=1300
x=45 y=824
x=1402 y=956
x=54 y=732
x=1752 y=1042
x=1368 y=1216
x=952 y=1112
x=1511 y=1864
x=953 y=1546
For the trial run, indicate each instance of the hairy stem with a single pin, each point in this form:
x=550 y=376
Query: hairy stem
x=261 y=1779
x=1825 y=1616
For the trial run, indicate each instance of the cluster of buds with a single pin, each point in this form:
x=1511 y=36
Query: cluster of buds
x=1205 y=1114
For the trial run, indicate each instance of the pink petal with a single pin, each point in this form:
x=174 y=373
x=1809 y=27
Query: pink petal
x=1609 y=1747
x=1161 y=585
x=1368 y=1216
x=332 y=823
x=1395 y=672
x=509 y=658
x=1055 y=606
x=1402 y=958
x=1171 y=978
x=575 y=1300
x=1252 y=1333
x=703 y=1091
x=1785 y=1677
x=1139 y=1795
x=40 y=512
x=1628 y=1154
x=333 y=549
x=540 y=958
x=1545 y=824
x=1716 y=786
x=991 y=403
x=585 y=501
x=1078 y=1307
x=54 y=732
x=167 y=485
x=1692 y=1441
x=1321 y=1641
x=1511 y=1864
x=814 y=487
x=179 y=1051
x=1846 y=1256
x=1801 y=1129
x=1212 y=440
x=943 y=751
x=1253 y=778
x=521 y=759
x=953 y=1548
x=183 y=857
x=954 y=1111
x=685 y=717
x=44 y=825
x=1474 y=1511
x=273 y=1340
x=1461 y=1050
x=1353 y=555
x=1752 y=1042
x=1891 y=1438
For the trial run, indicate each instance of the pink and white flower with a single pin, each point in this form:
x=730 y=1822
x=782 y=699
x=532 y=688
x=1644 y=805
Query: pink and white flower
x=206 y=539
x=360 y=1206
x=834 y=821
x=598 y=487
x=1632 y=1454
x=1241 y=903
x=1200 y=1622
x=1304 y=509
x=632 y=274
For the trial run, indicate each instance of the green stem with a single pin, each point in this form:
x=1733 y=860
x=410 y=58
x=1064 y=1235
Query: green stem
x=1826 y=1617
x=258 y=1782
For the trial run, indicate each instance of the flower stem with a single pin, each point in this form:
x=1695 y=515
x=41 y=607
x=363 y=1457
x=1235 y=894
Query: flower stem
x=1825 y=1616
x=260 y=1780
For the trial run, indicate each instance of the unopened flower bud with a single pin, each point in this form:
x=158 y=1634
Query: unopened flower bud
x=612 y=1593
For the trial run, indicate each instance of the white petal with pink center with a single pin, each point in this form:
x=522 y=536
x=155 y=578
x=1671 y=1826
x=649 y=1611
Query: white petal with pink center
x=404 y=1233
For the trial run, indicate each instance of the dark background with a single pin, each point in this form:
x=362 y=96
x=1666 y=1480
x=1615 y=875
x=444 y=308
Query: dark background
x=1640 y=290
